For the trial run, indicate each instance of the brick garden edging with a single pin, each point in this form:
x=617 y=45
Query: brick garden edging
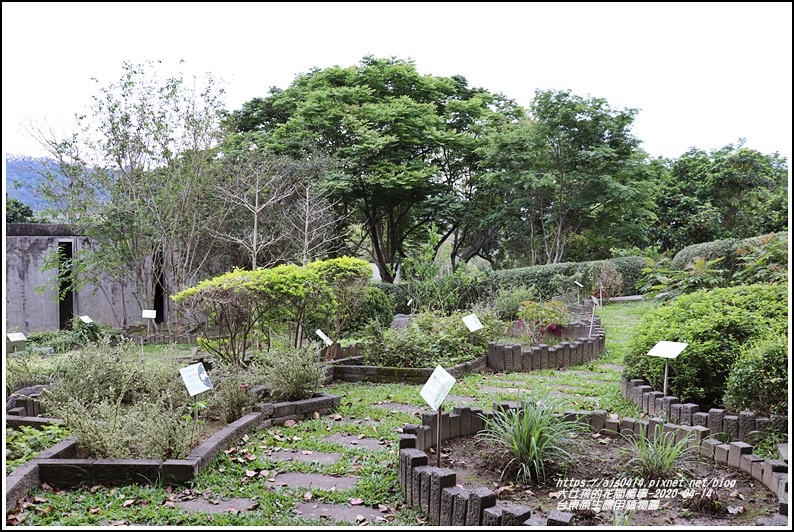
x=500 y=357
x=433 y=490
x=737 y=454
x=58 y=466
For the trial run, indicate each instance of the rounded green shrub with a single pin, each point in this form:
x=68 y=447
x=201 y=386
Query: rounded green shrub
x=716 y=324
x=759 y=379
x=377 y=305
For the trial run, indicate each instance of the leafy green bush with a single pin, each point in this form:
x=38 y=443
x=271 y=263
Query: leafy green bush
x=378 y=305
x=80 y=334
x=242 y=306
x=25 y=443
x=661 y=456
x=715 y=324
x=230 y=396
x=759 y=379
x=707 y=251
x=28 y=368
x=292 y=374
x=535 y=435
x=762 y=260
x=507 y=301
x=431 y=339
x=697 y=275
x=538 y=317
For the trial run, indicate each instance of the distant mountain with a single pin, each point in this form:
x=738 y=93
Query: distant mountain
x=22 y=174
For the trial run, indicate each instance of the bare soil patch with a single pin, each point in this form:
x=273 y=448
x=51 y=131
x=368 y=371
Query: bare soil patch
x=728 y=497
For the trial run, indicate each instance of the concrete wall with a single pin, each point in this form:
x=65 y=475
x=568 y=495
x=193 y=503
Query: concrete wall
x=27 y=311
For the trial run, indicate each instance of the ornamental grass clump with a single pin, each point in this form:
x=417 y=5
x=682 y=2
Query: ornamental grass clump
x=662 y=457
x=536 y=435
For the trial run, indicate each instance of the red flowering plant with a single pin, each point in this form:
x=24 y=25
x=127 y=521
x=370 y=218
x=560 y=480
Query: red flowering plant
x=542 y=319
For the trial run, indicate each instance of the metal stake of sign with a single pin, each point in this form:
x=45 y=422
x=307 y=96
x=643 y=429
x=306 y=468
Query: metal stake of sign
x=592 y=317
x=579 y=286
x=438 y=438
x=667 y=350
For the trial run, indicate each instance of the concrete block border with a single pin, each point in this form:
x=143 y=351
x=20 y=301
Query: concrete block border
x=772 y=473
x=58 y=465
x=421 y=491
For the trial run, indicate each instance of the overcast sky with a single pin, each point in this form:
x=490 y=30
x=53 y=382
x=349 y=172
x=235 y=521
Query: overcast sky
x=702 y=75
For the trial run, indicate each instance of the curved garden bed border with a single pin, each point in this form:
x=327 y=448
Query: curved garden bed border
x=433 y=490
x=58 y=466
x=500 y=357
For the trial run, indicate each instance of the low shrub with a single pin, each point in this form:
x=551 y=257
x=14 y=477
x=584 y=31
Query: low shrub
x=716 y=324
x=26 y=369
x=730 y=250
x=431 y=339
x=292 y=374
x=230 y=397
x=541 y=318
x=535 y=435
x=120 y=405
x=378 y=305
x=507 y=301
x=79 y=335
x=758 y=380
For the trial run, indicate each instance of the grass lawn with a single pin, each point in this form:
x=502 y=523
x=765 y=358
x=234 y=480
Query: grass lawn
x=243 y=471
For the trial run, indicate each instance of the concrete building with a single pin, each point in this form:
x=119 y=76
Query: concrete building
x=32 y=302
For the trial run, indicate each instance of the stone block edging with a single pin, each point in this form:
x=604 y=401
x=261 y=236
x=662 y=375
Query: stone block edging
x=424 y=485
x=58 y=465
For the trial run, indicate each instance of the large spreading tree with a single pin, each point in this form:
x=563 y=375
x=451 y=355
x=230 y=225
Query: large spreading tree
x=406 y=143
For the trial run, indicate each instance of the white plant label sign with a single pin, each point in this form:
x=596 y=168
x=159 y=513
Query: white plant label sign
x=325 y=338
x=86 y=319
x=16 y=337
x=577 y=283
x=472 y=322
x=149 y=314
x=195 y=378
x=665 y=349
x=437 y=387
x=596 y=302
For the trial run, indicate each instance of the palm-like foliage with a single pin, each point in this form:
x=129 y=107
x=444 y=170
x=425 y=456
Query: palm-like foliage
x=535 y=434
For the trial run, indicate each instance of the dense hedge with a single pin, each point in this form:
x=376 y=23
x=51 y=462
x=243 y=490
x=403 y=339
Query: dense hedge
x=759 y=379
x=716 y=324
x=555 y=279
x=718 y=248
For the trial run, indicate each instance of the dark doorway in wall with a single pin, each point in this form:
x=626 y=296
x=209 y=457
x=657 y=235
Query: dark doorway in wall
x=159 y=287
x=66 y=299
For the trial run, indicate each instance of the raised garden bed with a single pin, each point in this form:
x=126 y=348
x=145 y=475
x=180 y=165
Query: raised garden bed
x=58 y=465
x=434 y=490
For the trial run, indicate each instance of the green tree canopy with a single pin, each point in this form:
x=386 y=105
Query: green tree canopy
x=406 y=143
x=732 y=192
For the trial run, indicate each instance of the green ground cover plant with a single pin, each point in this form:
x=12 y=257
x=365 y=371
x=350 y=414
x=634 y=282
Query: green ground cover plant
x=26 y=442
